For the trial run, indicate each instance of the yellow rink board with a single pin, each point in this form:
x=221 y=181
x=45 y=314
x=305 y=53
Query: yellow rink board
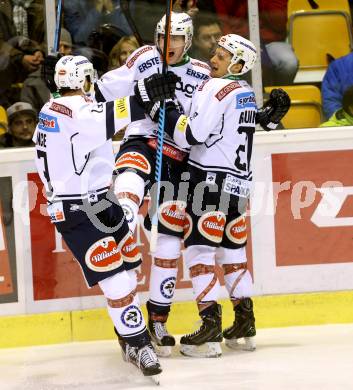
x=85 y=325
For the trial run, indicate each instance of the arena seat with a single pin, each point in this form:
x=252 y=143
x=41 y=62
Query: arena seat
x=315 y=35
x=305 y=110
x=317 y=5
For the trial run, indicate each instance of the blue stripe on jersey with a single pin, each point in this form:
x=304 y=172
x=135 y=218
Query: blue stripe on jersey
x=48 y=123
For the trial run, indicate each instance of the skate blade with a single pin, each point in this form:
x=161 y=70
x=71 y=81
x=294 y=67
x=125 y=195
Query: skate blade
x=155 y=379
x=162 y=350
x=248 y=345
x=207 y=350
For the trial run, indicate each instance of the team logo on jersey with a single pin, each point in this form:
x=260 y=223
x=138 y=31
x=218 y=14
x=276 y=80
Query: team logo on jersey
x=121 y=108
x=133 y=160
x=131 y=317
x=129 y=249
x=132 y=60
x=187 y=225
x=104 y=255
x=129 y=213
x=171 y=214
x=168 y=287
x=48 y=123
x=182 y=123
x=246 y=100
x=211 y=225
x=221 y=94
x=236 y=230
x=211 y=178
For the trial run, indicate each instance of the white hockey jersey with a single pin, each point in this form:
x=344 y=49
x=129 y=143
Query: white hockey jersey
x=142 y=63
x=220 y=130
x=74 y=153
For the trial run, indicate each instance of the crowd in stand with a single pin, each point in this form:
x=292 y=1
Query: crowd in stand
x=99 y=30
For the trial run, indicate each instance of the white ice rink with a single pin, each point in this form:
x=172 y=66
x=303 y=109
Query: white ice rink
x=307 y=358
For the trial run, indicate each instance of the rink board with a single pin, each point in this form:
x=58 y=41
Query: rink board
x=300 y=234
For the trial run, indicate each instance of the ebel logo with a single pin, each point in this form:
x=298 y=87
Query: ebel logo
x=326 y=212
x=246 y=100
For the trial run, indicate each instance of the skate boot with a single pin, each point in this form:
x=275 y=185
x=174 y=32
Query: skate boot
x=206 y=341
x=243 y=327
x=162 y=340
x=147 y=361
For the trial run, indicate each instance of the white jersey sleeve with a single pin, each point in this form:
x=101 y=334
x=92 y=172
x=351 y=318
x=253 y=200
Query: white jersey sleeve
x=120 y=82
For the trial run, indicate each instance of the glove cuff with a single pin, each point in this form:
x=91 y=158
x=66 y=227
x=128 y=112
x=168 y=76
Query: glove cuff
x=142 y=91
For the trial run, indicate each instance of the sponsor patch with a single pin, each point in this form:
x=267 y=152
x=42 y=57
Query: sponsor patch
x=48 y=123
x=211 y=178
x=246 y=100
x=132 y=60
x=187 y=225
x=133 y=160
x=236 y=230
x=203 y=84
x=171 y=214
x=104 y=255
x=61 y=109
x=56 y=212
x=211 y=225
x=129 y=249
x=235 y=186
x=121 y=108
x=198 y=75
x=220 y=95
x=201 y=64
x=182 y=123
x=131 y=317
x=168 y=287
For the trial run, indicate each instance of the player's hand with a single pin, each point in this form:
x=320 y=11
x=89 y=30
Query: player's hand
x=270 y=115
x=48 y=71
x=156 y=88
x=152 y=109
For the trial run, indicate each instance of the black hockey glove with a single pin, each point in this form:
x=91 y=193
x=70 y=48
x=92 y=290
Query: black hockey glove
x=48 y=71
x=156 y=88
x=152 y=109
x=270 y=115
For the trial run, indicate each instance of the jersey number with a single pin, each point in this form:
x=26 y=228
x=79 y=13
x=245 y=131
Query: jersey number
x=249 y=131
x=43 y=155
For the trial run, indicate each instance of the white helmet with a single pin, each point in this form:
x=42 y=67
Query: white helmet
x=180 y=24
x=241 y=49
x=71 y=72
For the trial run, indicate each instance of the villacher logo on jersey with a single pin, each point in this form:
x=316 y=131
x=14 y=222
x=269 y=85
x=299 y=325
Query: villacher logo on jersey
x=172 y=214
x=211 y=225
x=104 y=255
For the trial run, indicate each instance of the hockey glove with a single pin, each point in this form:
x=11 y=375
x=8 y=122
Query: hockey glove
x=152 y=109
x=48 y=71
x=270 y=115
x=156 y=88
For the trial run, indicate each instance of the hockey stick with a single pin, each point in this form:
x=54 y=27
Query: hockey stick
x=59 y=12
x=160 y=138
x=125 y=7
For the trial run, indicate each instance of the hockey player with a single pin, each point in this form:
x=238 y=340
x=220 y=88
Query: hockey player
x=75 y=161
x=135 y=162
x=219 y=130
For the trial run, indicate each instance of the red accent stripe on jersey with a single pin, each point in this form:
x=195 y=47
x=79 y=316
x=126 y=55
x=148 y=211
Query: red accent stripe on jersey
x=132 y=60
x=61 y=109
x=203 y=84
x=227 y=89
x=201 y=64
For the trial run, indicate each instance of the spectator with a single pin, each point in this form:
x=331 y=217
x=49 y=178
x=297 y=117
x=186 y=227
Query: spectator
x=3 y=121
x=273 y=34
x=34 y=90
x=344 y=115
x=22 y=122
x=338 y=77
x=121 y=51
x=207 y=31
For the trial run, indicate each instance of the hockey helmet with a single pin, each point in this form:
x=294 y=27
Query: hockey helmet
x=241 y=49
x=180 y=24
x=71 y=72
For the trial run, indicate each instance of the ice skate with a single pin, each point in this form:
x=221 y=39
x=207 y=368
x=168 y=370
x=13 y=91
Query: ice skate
x=162 y=340
x=206 y=341
x=243 y=327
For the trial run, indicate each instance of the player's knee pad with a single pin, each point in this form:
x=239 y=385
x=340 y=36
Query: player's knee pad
x=230 y=256
x=168 y=247
x=238 y=280
x=200 y=260
x=117 y=288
